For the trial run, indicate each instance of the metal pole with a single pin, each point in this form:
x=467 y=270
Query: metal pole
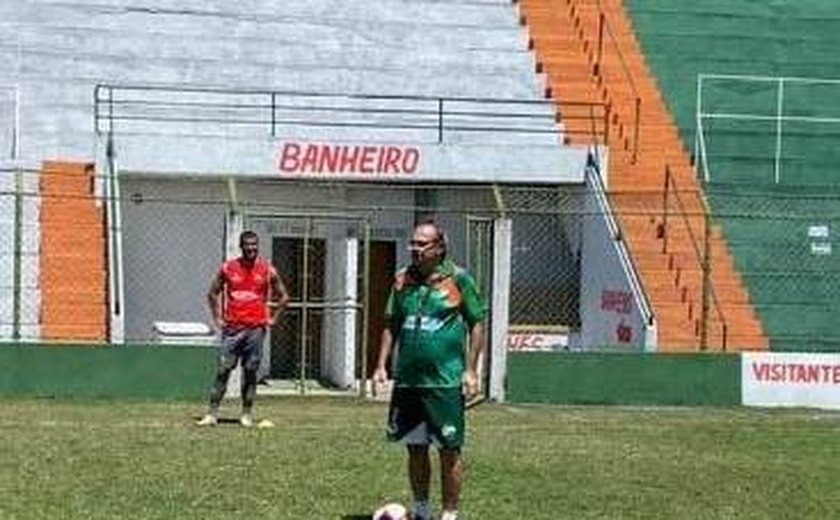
x=601 y=21
x=636 y=129
x=273 y=114
x=707 y=280
x=440 y=120
x=365 y=312
x=779 y=109
x=698 y=126
x=304 y=318
x=665 y=210
x=16 y=131
x=112 y=224
x=16 y=263
x=607 y=111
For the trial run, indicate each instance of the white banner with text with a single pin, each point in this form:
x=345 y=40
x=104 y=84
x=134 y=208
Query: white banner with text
x=790 y=379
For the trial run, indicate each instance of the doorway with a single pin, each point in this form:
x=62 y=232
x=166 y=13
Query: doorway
x=294 y=352
x=383 y=266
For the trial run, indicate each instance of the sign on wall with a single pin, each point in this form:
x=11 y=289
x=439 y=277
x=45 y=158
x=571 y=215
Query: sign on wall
x=612 y=317
x=352 y=161
x=790 y=379
x=536 y=342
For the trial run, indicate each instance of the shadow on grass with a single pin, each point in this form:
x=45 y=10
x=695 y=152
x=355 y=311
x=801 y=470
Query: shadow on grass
x=356 y=517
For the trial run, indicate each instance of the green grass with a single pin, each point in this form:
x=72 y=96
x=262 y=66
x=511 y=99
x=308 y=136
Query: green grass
x=326 y=459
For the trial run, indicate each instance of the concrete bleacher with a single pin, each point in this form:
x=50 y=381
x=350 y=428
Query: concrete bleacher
x=767 y=209
x=435 y=49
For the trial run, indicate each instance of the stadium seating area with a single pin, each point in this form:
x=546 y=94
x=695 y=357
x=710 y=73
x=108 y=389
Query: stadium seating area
x=588 y=50
x=435 y=49
x=779 y=232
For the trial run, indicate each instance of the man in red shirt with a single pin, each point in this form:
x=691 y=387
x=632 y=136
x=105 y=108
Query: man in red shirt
x=254 y=295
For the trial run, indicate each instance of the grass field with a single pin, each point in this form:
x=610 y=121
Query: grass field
x=326 y=459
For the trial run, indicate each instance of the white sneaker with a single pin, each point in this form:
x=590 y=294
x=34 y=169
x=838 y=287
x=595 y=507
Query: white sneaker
x=208 y=420
x=421 y=512
x=246 y=420
x=449 y=515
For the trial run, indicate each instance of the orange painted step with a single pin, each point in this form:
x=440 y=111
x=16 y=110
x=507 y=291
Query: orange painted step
x=73 y=279
x=73 y=332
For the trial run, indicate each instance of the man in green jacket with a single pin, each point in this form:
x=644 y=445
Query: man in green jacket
x=433 y=307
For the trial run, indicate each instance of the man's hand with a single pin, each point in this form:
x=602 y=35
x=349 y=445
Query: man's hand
x=469 y=384
x=380 y=375
x=218 y=324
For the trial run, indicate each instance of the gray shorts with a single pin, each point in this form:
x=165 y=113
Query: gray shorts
x=244 y=344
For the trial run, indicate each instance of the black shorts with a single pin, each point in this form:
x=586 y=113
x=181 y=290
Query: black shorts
x=420 y=416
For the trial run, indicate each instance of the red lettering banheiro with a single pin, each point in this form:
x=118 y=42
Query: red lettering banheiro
x=328 y=160
x=391 y=156
x=349 y=159
x=411 y=160
x=308 y=158
x=368 y=159
x=289 y=157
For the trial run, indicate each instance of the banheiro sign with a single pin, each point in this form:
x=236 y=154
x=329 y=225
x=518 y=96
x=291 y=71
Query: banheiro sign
x=790 y=379
x=328 y=158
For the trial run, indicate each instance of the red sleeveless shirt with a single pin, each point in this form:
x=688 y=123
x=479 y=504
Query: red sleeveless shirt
x=246 y=292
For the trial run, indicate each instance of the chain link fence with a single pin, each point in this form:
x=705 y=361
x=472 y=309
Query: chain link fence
x=783 y=241
x=337 y=246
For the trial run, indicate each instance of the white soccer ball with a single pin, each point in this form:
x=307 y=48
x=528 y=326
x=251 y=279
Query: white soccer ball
x=392 y=511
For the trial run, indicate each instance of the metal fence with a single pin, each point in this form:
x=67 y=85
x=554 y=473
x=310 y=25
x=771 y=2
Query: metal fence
x=133 y=109
x=176 y=233
x=337 y=246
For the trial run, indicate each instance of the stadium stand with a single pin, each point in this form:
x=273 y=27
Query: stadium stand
x=462 y=49
x=588 y=49
x=58 y=52
x=778 y=220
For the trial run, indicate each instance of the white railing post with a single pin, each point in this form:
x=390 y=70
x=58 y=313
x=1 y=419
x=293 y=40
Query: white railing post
x=779 y=118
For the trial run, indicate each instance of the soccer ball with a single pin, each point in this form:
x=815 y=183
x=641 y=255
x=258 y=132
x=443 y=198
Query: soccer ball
x=391 y=511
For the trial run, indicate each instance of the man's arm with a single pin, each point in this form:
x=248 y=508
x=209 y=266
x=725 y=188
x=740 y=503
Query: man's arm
x=386 y=345
x=279 y=297
x=213 y=300
x=473 y=358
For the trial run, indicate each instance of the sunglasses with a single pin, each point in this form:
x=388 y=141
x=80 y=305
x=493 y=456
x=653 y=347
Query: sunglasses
x=421 y=244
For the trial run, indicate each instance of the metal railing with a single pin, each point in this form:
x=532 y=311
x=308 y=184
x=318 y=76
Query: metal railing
x=606 y=34
x=273 y=111
x=708 y=296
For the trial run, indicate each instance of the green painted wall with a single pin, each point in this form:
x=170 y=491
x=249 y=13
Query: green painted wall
x=143 y=371
x=639 y=379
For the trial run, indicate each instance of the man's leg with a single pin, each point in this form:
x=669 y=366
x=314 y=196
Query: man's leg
x=251 y=356
x=419 y=475
x=451 y=475
x=446 y=411
x=226 y=364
